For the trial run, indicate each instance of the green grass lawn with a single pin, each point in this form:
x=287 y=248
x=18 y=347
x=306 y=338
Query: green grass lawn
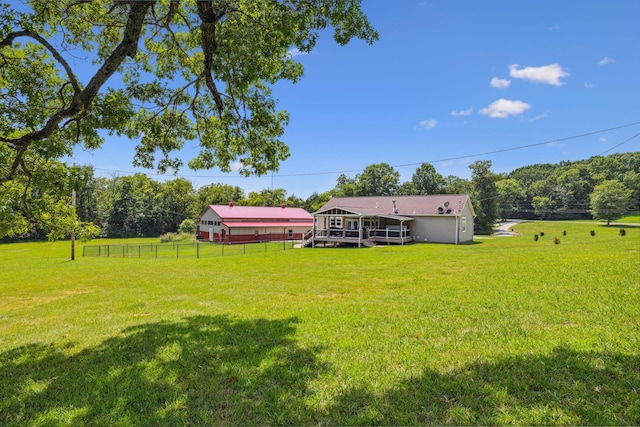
x=506 y=330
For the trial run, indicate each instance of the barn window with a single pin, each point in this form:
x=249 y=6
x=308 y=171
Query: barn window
x=290 y=233
x=464 y=224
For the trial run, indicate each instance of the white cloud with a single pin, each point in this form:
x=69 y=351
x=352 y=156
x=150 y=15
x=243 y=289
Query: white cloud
x=428 y=124
x=550 y=74
x=588 y=85
x=500 y=83
x=446 y=163
x=603 y=139
x=606 y=60
x=538 y=117
x=237 y=166
x=462 y=113
x=503 y=108
x=296 y=52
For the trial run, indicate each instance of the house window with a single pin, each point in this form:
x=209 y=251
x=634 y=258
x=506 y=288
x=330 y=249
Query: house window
x=464 y=224
x=290 y=233
x=335 y=222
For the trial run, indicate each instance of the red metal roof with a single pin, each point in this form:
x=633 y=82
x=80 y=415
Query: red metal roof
x=258 y=213
x=263 y=224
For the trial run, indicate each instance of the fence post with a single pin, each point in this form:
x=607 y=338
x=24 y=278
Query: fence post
x=122 y=251
x=222 y=244
x=156 y=251
x=177 y=250
x=197 y=251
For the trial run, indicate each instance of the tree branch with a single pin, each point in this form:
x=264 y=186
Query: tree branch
x=209 y=18
x=82 y=98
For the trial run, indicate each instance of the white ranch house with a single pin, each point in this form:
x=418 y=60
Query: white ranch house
x=365 y=221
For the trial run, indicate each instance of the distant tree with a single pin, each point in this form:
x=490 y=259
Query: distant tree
x=219 y=194
x=177 y=201
x=294 y=201
x=345 y=187
x=378 y=180
x=484 y=196
x=543 y=207
x=266 y=197
x=135 y=209
x=610 y=200
x=315 y=201
x=509 y=193
x=456 y=185
x=426 y=180
x=407 y=188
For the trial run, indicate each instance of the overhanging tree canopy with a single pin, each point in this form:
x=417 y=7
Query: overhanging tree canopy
x=188 y=70
x=160 y=72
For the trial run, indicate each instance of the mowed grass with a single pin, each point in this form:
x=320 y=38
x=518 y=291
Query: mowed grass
x=506 y=330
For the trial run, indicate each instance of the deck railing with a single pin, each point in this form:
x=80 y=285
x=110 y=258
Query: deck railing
x=372 y=233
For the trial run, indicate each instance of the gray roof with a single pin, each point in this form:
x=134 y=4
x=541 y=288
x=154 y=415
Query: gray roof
x=407 y=206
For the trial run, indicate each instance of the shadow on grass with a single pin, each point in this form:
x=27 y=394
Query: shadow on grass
x=202 y=371
x=563 y=388
x=220 y=370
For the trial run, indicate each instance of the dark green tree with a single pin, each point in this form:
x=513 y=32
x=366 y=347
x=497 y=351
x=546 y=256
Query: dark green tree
x=426 y=180
x=378 y=180
x=219 y=194
x=484 y=196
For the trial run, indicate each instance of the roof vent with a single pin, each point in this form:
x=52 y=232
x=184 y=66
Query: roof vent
x=395 y=209
x=282 y=206
x=230 y=203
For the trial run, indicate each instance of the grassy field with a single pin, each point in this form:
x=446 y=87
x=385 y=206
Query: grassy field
x=506 y=330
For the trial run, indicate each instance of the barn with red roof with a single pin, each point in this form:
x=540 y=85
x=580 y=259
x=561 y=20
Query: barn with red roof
x=241 y=224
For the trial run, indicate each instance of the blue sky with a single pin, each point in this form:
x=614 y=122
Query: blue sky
x=447 y=83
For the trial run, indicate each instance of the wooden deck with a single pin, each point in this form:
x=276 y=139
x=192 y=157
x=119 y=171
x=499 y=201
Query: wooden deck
x=335 y=237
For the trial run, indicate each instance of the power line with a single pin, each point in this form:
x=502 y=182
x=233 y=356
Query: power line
x=618 y=145
x=486 y=153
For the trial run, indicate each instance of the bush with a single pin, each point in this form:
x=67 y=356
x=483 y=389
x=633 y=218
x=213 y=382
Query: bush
x=622 y=232
x=593 y=233
x=188 y=226
x=542 y=233
x=564 y=232
x=535 y=237
x=556 y=240
x=174 y=237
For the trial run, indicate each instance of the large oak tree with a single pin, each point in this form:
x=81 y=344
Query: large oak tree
x=160 y=72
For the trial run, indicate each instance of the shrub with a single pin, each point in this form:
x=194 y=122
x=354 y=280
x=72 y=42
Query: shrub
x=188 y=226
x=535 y=237
x=622 y=232
x=541 y=233
x=556 y=240
x=174 y=237
x=593 y=233
x=564 y=232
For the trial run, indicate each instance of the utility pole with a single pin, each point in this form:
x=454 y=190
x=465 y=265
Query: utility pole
x=73 y=233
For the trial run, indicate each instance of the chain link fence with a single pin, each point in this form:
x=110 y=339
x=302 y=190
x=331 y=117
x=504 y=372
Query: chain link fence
x=193 y=249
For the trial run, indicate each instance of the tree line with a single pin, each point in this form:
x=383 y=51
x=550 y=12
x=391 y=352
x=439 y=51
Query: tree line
x=129 y=206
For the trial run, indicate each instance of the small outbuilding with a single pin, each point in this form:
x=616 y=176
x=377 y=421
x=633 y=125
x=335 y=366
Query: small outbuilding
x=241 y=224
x=443 y=218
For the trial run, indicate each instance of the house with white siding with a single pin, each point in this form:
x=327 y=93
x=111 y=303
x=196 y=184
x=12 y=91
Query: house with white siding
x=364 y=221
